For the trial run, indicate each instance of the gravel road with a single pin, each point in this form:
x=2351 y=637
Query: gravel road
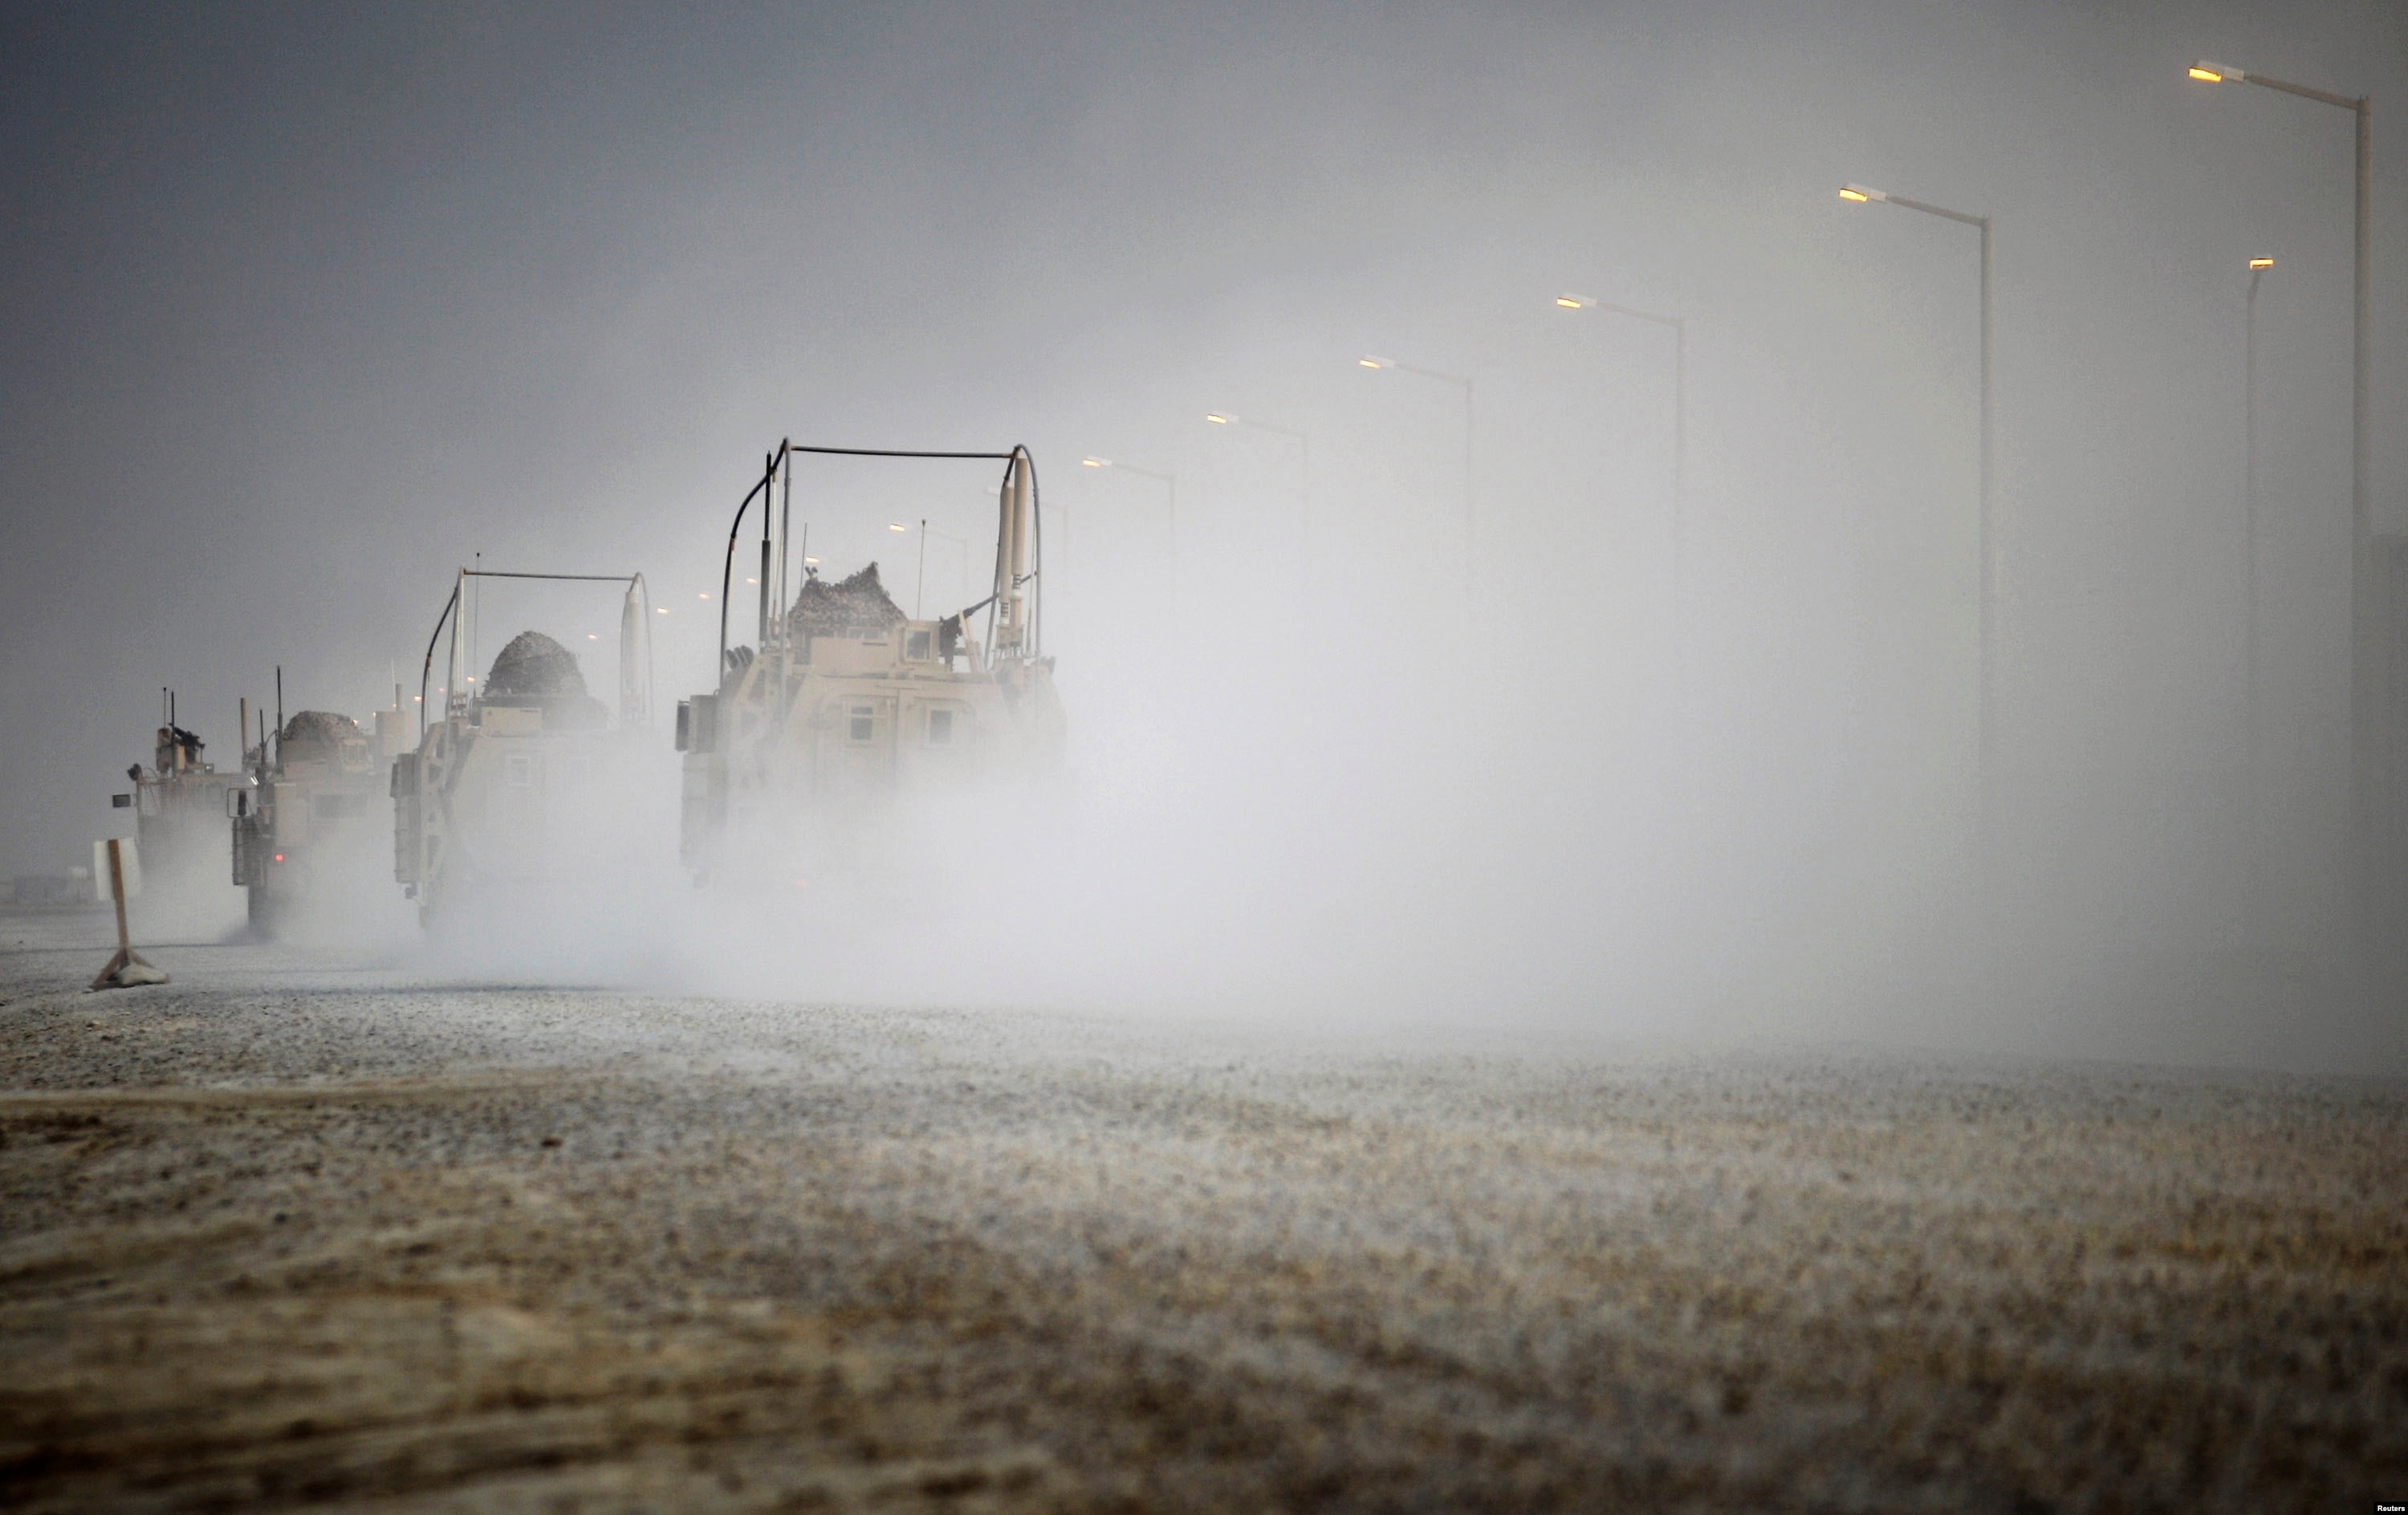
x=284 y=1235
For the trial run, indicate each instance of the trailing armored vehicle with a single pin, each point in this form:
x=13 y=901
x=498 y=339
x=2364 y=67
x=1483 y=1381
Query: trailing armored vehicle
x=310 y=816
x=846 y=709
x=504 y=787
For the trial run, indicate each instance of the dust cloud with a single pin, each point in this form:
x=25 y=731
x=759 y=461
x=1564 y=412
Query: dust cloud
x=1556 y=664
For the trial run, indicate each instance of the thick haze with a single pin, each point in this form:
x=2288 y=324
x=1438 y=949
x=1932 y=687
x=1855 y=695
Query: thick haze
x=303 y=308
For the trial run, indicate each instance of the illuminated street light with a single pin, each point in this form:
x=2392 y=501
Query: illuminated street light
x=1470 y=514
x=896 y=525
x=2362 y=674
x=1169 y=480
x=1985 y=716
x=2257 y=268
x=1680 y=327
x=1304 y=452
x=920 y=592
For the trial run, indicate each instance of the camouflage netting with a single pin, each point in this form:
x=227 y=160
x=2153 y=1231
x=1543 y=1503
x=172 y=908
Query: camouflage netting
x=855 y=604
x=536 y=670
x=534 y=667
x=317 y=728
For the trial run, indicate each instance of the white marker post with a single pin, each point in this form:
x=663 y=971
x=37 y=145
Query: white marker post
x=127 y=966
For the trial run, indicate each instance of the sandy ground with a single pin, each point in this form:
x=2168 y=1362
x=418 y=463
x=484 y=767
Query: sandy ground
x=282 y=1235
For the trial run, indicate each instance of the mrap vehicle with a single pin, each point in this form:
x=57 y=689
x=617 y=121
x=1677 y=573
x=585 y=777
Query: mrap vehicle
x=307 y=823
x=507 y=785
x=178 y=805
x=845 y=708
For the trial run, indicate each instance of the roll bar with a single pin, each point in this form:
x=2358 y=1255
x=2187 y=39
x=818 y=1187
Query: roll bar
x=1019 y=552
x=635 y=700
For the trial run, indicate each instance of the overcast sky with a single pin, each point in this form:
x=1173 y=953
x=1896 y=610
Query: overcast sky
x=302 y=307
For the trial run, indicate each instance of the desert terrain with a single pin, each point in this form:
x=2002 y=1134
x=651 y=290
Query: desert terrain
x=287 y=1235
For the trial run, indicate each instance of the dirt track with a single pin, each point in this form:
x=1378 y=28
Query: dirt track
x=278 y=1237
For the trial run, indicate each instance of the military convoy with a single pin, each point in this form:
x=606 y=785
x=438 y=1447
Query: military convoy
x=842 y=709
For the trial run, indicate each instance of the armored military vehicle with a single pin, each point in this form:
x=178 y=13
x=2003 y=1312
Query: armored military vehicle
x=179 y=805
x=502 y=786
x=846 y=708
x=302 y=827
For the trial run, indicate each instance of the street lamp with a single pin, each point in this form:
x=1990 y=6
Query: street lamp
x=898 y=527
x=919 y=591
x=1985 y=716
x=1170 y=482
x=2257 y=268
x=1680 y=326
x=2360 y=508
x=1304 y=450
x=1470 y=514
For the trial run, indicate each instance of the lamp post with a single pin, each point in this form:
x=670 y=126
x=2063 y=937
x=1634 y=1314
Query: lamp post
x=920 y=594
x=2361 y=522
x=1985 y=716
x=1470 y=511
x=898 y=527
x=1170 y=482
x=920 y=588
x=2249 y=724
x=2257 y=268
x=1680 y=328
x=1304 y=452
